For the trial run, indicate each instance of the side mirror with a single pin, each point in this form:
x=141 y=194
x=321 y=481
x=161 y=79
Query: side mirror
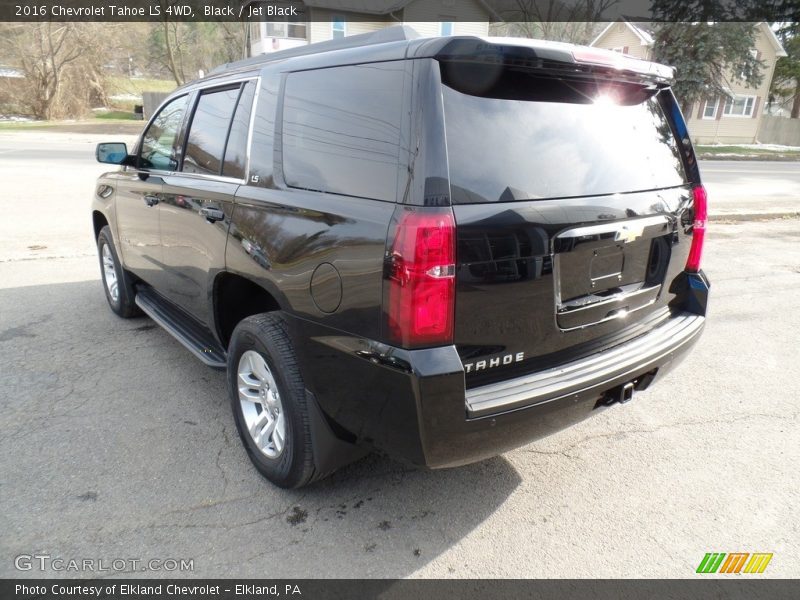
x=112 y=153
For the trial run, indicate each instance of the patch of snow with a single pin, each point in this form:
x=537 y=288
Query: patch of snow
x=11 y=73
x=15 y=119
x=775 y=147
x=125 y=97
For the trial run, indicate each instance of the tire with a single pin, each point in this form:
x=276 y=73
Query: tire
x=119 y=293
x=255 y=408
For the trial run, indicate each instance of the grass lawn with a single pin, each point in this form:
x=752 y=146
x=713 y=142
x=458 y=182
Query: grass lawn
x=123 y=85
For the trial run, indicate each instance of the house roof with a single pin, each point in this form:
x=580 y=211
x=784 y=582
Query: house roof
x=645 y=34
x=640 y=30
x=773 y=39
x=381 y=7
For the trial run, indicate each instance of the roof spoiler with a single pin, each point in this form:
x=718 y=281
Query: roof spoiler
x=395 y=33
x=534 y=53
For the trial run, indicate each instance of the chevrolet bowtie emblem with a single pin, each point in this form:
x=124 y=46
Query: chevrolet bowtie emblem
x=628 y=233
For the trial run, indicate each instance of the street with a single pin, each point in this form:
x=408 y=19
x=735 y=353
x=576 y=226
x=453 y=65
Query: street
x=751 y=187
x=117 y=443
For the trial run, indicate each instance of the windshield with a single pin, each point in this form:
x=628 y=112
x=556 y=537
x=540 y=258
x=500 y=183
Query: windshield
x=581 y=143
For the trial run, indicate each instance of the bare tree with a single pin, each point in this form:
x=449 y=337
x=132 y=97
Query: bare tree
x=43 y=52
x=575 y=22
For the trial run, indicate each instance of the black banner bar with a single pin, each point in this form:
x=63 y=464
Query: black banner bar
x=393 y=10
x=456 y=589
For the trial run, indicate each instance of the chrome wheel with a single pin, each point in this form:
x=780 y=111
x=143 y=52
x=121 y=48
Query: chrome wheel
x=261 y=404
x=110 y=273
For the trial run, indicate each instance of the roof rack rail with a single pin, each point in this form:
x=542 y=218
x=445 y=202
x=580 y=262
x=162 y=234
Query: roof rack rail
x=395 y=33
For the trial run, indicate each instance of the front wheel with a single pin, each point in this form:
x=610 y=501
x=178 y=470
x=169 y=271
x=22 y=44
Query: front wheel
x=269 y=403
x=117 y=282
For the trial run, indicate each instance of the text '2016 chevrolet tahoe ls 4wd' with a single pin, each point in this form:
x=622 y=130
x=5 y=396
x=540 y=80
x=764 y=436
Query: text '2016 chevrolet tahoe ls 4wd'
x=440 y=248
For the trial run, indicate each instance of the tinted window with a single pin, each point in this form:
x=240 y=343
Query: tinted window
x=236 y=149
x=208 y=131
x=159 y=143
x=575 y=141
x=341 y=130
x=262 y=146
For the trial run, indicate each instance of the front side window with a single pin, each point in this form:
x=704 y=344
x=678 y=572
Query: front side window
x=159 y=149
x=208 y=131
x=341 y=130
x=739 y=106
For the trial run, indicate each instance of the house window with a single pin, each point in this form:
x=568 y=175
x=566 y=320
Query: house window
x=754 y=54
x=286 y=30
x=619 y=49
x=739 y=106
x=338 y=27
x=710 y=109
x=446 y=28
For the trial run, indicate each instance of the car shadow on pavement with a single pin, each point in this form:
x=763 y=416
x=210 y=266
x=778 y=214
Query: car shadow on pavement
x=131 y=451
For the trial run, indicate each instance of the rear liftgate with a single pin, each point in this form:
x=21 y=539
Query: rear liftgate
x=608 y=271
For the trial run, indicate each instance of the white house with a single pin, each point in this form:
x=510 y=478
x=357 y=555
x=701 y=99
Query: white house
x=328 y=19
x=734 y=119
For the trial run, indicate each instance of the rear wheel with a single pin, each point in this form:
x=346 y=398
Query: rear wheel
x=117 y=282
x=268 y=400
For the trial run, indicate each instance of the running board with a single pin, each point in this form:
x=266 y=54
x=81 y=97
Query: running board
x=197 y=339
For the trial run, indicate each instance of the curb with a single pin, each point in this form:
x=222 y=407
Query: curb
x=755 y=216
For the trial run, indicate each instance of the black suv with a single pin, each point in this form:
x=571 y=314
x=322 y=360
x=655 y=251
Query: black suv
x=440 y=248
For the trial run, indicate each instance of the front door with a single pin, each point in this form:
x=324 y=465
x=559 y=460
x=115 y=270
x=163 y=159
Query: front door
x=139 y=192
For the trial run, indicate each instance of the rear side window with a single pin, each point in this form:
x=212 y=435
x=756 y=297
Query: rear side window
x=159 y=149
x=341 y=130
x=205 y=145
x=561 y=140
x=235 y=159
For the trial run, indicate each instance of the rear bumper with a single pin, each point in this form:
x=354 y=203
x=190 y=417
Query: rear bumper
x=414 y=406
x=606 y=369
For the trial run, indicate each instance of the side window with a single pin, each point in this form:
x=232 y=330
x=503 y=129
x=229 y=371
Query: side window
x=159 y=143
x=235 y=159
x=205 y=143
x=262 y=146
x=341 y=130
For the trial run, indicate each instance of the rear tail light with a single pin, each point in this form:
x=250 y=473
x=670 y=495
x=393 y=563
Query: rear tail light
x=698 y=229
x=421 y=279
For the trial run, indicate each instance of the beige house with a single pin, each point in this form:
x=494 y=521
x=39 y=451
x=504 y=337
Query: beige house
x=734 y=120
x=329 y=19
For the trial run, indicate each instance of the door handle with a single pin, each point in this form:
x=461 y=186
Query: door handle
x=212 y=214
x=151 y=200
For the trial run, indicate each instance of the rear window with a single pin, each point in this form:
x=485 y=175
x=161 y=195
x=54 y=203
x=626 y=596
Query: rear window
x=568 y=140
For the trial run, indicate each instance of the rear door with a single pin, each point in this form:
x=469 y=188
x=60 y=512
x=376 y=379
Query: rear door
x=197 y=200
x=568 y=197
